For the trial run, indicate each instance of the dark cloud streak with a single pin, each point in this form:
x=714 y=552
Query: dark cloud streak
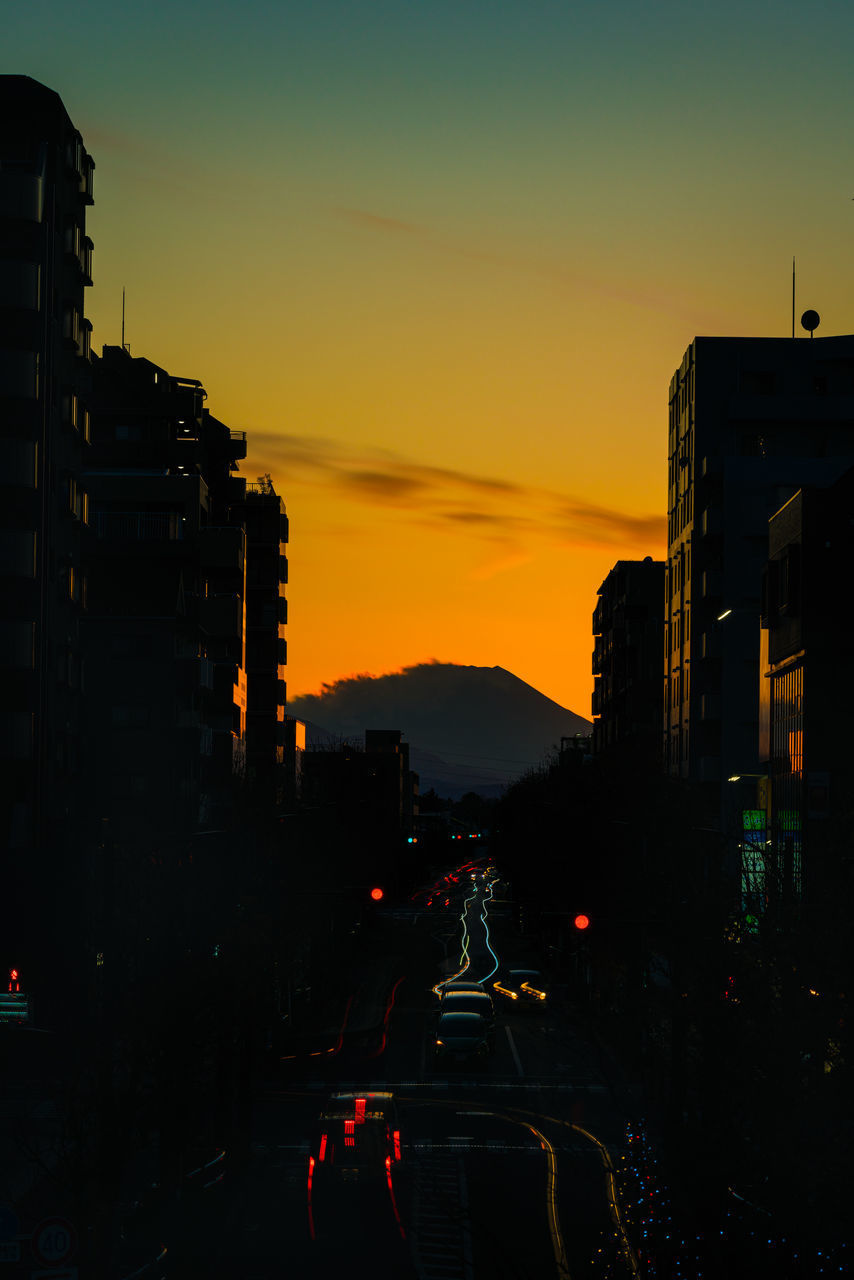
x=438 y=495
x=376 y=221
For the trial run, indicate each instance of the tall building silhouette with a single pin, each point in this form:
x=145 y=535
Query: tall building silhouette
x=751 y=421
x=805 y=743
x=45 y=268
x=261 y=511
x=627 y=627
x=165 y=628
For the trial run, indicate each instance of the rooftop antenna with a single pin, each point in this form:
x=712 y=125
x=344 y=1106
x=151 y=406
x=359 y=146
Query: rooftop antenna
x=793 y=296
x=125 y=345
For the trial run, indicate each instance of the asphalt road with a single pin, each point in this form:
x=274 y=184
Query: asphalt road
x=503 y=1171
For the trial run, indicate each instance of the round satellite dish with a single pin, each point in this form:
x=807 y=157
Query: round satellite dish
x=810 y=320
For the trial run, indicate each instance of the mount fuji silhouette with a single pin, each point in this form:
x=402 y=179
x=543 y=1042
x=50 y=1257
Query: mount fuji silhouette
x=468 y=728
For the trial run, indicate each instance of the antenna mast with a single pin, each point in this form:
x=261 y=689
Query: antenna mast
x=124 y=346
x=793 y=296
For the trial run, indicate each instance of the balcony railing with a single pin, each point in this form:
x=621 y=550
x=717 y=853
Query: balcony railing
x=222 y=547
x=139 y=526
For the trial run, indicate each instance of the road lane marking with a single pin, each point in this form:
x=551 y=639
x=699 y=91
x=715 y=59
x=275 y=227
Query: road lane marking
x=531 y=1083
x=551 y=1203
x=512 y=1044
x=558 y=1247
x=613 y=1197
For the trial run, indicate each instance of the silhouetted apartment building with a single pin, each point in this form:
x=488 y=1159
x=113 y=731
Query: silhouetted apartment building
x=805 y=742
x=627 y=629
x=391 y=788
x=262 y=513
x=165 y=629
x=45 y=268
x=751 y=421
x=372 y=793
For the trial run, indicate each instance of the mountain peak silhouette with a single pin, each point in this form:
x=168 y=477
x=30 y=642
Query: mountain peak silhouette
x=469 y=728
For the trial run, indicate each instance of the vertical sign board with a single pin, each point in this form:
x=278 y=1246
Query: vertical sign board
x=9 y=1224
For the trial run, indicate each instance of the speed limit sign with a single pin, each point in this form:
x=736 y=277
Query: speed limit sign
x=53 y=1240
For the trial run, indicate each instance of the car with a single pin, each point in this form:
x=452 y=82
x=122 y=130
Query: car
x=461 y=1038
x=522 y=987
x=355 y=1148
x=461 y=984
x=358 y=1136
x=470 y=1002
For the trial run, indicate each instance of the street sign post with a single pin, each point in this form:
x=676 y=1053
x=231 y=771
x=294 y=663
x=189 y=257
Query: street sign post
x=54 y=1241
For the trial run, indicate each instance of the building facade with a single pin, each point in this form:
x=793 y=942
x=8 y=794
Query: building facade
x=751 y=421
x=261 y=512
x=627 y=629
x=45 y=268
x=804 y=743
x=165 y=627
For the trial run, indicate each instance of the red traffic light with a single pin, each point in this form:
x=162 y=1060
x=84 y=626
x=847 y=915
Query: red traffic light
x=376 y=894
x=581 y=921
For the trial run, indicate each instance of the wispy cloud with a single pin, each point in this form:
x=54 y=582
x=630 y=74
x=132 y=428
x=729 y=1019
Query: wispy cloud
x=383 y=487
x=577 y=279
x=510 y=516
x=376 y=221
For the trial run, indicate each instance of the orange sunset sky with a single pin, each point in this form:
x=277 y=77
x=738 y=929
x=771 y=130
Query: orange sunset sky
x=440 y=261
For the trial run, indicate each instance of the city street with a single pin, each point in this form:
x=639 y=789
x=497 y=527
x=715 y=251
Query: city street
x=501 y=1172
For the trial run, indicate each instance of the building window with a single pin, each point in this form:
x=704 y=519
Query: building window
x=754 y=382
x=752 y=444
x=130 y=717
x=72 y=239
x=19 y=374
x=71 y=325
x=787 y=580
x=70 y=406
x=787 y=788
